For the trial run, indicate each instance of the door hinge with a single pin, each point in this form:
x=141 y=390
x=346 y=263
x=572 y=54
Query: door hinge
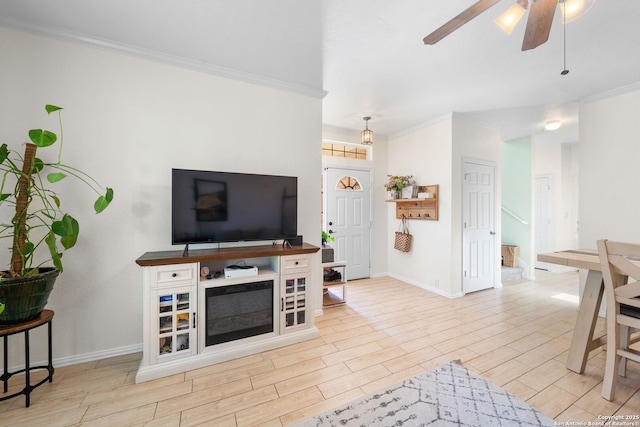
x=465 y=273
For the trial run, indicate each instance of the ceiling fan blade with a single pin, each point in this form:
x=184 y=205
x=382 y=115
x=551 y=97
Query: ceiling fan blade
x=465 y=16
x=539 y=23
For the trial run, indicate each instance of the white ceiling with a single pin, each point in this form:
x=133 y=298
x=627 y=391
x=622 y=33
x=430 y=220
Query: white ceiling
x=368 y=54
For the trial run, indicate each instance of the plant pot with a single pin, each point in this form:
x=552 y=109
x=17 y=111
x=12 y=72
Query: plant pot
x=327 y=254
x=24 y=298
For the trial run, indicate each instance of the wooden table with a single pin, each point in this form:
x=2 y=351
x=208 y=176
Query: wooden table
x=583 y=341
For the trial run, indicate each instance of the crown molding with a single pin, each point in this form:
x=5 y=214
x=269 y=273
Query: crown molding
x=444 y=117
x=611 y=93
x=150 y=54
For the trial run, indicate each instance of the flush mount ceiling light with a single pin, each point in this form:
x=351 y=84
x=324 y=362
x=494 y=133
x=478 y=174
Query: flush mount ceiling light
x=366 y=134
x=552 y=125
x=510 y=18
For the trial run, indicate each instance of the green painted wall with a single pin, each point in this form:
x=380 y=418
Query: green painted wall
x=517 y=196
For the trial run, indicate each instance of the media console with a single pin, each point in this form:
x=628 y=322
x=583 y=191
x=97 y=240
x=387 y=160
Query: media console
x=192 y=321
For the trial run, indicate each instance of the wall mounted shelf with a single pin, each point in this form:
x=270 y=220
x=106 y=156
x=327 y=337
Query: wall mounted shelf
x=424 y=209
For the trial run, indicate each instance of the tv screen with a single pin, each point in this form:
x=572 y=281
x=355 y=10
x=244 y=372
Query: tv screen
x=210 y=207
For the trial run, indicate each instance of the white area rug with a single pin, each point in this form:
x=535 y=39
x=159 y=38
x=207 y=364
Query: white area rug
x=448 y=396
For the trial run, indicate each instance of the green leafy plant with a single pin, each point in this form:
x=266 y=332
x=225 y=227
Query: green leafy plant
x=38 y=211
x=326 y=237
x=398 y=182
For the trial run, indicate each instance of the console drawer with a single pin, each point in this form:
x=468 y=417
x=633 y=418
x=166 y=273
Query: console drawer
x=294 y=263
x=176 y=274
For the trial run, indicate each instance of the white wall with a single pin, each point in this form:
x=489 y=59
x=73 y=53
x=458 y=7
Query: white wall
x=609 y=155
x=129 y=121
x=426 y=154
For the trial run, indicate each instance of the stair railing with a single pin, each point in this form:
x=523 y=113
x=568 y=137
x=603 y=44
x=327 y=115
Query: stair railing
x=514 y=216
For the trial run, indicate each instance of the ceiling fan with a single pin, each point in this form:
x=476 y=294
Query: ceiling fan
x=541 y=14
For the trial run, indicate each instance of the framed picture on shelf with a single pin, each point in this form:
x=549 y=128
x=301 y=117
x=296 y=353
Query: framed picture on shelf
x=409 y=192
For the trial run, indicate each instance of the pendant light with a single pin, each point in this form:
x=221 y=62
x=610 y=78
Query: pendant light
x=366 y=134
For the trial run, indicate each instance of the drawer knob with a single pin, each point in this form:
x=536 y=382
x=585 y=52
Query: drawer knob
x=297 y=263
x=174 y=274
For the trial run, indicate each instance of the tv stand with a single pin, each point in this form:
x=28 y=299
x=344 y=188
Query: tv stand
x=175 y=304
x=185 y=252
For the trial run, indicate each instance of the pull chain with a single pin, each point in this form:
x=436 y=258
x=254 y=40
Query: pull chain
x=564 y=72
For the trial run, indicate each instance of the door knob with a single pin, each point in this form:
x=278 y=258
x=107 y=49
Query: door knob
x=492 y=232
x=331 y=231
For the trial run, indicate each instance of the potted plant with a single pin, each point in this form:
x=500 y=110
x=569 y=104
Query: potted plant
x=326 y=238
x=38 y=226
x=396 y=183
x=327 y=251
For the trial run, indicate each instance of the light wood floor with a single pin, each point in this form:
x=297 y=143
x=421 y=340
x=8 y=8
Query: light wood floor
x=516 y=336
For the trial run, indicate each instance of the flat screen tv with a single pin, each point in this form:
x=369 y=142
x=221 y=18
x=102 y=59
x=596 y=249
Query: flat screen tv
x=214 y=207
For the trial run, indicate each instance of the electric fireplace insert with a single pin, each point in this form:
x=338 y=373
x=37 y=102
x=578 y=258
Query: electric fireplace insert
x=238 y=311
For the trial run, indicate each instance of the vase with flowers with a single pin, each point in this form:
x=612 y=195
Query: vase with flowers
x=396 y=183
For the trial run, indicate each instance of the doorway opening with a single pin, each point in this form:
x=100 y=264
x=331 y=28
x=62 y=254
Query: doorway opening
x=347 y=218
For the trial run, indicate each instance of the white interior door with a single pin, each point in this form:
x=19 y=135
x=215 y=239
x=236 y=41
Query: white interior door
x=348 y=218
x=478 y=235
x=542 y=223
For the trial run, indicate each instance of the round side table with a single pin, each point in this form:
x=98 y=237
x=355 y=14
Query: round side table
x=44 y=318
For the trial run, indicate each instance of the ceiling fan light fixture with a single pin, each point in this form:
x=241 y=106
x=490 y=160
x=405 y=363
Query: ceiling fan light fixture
x=552 y=125
x=575 y=9
x=510 y=18
x=366 y=134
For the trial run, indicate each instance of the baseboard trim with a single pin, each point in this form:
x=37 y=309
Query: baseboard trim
x=426 y=287
x=98 y=355
x=86 y=357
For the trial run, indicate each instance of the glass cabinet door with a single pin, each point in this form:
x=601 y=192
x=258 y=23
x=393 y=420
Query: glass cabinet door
x=294 y=301
x=174 y=323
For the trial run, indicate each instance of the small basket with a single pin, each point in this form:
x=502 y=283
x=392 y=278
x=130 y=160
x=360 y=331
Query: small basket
x=403 y=238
